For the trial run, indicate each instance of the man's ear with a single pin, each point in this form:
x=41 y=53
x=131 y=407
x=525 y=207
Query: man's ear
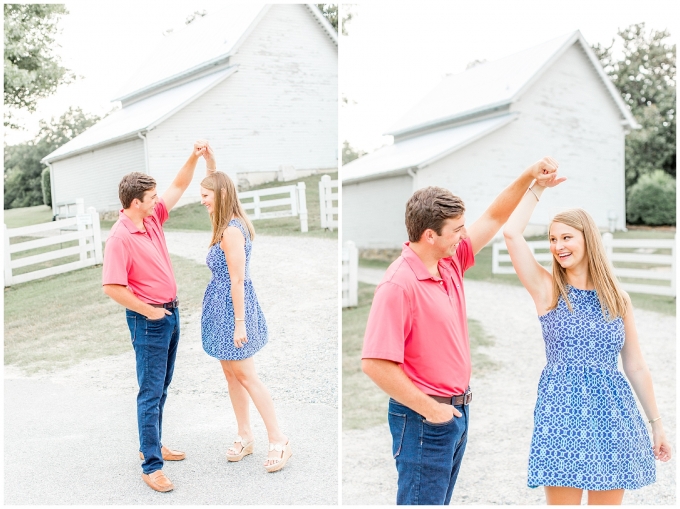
x=428 y=236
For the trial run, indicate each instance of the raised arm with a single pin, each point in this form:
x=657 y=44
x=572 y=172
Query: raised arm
x=233 y=245
x=638 y=374
x=485 y=228
x=183 y=179
x=210 y=163
x=535 y=278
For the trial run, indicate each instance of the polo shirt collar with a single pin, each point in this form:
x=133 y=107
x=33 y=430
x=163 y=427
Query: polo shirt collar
x=127 y=222
x=414 y=261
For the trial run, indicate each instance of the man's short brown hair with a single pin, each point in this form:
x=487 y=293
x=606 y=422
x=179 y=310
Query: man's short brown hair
x=428 y=208
x=134 y=185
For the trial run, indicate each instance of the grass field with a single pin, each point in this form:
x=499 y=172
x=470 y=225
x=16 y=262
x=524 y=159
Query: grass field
x=25 y=216
x=61 y=320
x=363 y=403
x=195 y=217
x=482 y=271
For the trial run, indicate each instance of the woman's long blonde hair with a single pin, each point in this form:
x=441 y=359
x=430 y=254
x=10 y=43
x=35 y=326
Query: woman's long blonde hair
x=601 y=272
x=226 y=205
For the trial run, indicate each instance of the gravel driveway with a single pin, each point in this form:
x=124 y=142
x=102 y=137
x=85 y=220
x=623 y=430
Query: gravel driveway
x=494 y=469
x=71 y=436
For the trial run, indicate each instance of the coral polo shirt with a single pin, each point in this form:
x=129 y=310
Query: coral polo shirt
x=140 y=260
x=419 y=321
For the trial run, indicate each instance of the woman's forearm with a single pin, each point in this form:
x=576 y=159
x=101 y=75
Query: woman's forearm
x=520 y=217
x=641 y=381
x=238 y=298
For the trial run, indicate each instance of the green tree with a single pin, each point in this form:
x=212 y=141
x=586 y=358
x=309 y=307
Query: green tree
x=32 y=70
x=645 y=75
x=330 y=12
x=349 y=153
x=23 y=168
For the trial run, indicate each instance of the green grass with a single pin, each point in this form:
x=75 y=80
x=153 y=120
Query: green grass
x=195 y=217
x=482 y=272
x=363 y=403
x=25 y=216
x=58 y=321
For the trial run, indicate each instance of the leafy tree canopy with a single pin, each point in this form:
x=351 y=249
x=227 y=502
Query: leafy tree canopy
x=22 y=162
x=645 y=75
x=330 y=12
x=32 y=70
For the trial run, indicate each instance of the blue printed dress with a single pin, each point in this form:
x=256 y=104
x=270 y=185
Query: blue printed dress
x=217 y=319
x=588 y=431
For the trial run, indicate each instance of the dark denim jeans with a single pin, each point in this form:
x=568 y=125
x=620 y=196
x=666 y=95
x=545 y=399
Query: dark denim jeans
x=428 y=455
x=155 y=343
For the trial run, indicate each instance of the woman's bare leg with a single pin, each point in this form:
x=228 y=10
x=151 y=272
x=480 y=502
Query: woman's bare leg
x=247 y=376
x=605 y=497
x=240 y=401
x=560 y=495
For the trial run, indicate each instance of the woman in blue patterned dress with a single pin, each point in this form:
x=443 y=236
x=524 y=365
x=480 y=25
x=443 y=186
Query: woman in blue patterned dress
x=233 y=327
x=588 y=432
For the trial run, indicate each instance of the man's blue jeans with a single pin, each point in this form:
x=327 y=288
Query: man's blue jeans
x=428 y=455
x=155 y=343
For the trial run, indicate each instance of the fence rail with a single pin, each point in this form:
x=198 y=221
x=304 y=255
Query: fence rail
x=295 y=198
x=329 y=213
x=87 y=233
x=350 y=270
x=662 y=265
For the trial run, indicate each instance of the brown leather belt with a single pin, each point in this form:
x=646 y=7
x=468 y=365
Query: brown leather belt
x=167 y=305
x=461 y=399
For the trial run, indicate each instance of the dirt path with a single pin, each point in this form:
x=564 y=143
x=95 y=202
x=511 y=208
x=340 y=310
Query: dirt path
x=82 y=443
x=495 y=465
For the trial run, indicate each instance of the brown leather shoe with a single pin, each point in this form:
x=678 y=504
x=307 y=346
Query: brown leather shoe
x=157 y=481
x=168 y=455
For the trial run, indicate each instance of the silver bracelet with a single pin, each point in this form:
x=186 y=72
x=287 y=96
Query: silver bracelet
x=532 y=192
x=654 y=420
x=240 y=319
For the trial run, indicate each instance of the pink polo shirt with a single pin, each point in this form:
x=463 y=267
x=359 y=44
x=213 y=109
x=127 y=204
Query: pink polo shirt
x=420 y=322
x=140 y=260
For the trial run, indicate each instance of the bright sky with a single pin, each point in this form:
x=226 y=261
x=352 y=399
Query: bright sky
x=397 y=52
x=104 y=42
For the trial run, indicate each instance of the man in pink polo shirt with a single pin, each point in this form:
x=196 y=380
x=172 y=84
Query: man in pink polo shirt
x=416 y=345
x=138 y=275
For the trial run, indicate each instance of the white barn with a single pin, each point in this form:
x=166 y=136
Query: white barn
x=258 y=81
x=477 y=130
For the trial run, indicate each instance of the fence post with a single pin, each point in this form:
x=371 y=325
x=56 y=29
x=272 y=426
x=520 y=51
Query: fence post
x=8 y=259
x=353 y=274
x=256 y=203
x=673 y=266
x=302 y=207
x=96 y=235
x=607 y=239
x=495 y=251
x=322 y=198
x=294 y=202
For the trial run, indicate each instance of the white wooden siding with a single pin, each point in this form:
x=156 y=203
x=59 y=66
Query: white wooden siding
x=373 y=212
x=95 y=175
x=279 y=108
x=566 y=114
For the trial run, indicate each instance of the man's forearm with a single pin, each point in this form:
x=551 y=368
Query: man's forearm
x=391 y=378
x=186 y=173
x=501 y=208
x=127 y=299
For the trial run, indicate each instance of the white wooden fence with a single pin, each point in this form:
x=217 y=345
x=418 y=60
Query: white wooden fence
x=329 y=213
x=87 y=233
x=663 y=265
x=350 y=270
x=295 y=199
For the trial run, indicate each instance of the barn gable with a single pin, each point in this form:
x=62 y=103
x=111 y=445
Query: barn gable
x=244 y=77
x=559 y=106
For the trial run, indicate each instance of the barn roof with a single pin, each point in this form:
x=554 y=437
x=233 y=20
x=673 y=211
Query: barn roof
x=203 y=44
x=186 y=64
x=492 y=85
x=140 y=116
x=418 y=152
x=463 y=100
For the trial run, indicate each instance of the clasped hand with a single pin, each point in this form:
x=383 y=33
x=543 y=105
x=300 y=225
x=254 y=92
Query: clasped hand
x=203 y=149
x=545 y=172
